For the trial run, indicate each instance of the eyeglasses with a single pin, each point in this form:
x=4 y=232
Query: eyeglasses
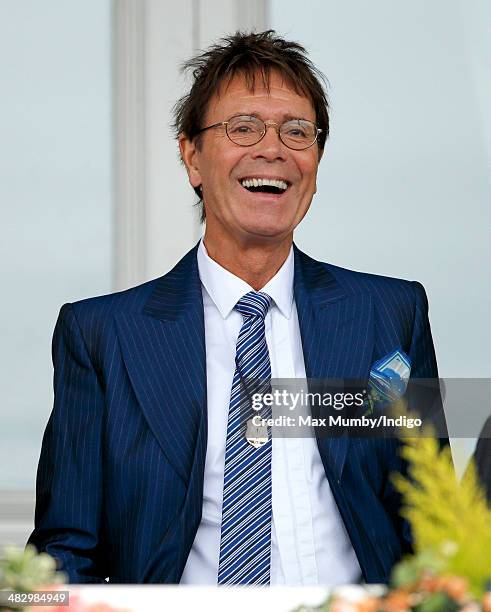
x=246 y=131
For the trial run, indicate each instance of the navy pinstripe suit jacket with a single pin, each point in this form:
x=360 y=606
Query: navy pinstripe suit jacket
x=120 y=478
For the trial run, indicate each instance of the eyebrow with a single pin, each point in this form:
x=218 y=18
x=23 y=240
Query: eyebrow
x=285 y=117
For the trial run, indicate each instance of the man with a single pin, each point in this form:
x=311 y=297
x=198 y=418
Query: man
x=145 y=474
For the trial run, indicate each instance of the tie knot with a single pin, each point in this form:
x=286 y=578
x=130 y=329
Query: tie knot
x=254 y=304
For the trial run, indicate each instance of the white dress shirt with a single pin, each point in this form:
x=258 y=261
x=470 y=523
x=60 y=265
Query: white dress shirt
x=309 y=543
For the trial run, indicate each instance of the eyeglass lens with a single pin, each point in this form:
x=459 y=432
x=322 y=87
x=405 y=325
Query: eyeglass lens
x=296 y=134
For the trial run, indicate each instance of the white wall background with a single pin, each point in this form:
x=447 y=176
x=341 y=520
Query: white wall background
x=55 y=198
x=404 y=187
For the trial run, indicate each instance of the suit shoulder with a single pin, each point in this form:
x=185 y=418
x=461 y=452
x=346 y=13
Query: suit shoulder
x=103 y=306
x=93 y=318
x=134 y=299
x=381 y=288
x=395 y=300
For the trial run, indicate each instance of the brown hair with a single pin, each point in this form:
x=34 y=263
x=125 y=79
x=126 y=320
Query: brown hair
x=248 y=53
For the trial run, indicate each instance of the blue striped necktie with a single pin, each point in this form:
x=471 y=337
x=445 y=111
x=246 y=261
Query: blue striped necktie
x=245 y=541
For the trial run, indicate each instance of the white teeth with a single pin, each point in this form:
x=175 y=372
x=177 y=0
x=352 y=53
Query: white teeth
x=260 y=182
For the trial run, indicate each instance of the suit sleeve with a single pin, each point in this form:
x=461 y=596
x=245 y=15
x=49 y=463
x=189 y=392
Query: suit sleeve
x=427 y=396
x=422 y=351
x=423 y=366
x=69 y=477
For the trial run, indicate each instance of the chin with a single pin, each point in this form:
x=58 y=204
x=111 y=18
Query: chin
x=266 y=230
x=268 y=224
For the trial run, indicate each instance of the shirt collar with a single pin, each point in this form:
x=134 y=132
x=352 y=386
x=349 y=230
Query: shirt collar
x=226 y=289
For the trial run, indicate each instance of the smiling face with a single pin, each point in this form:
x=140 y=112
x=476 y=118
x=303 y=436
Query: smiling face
x=220 y=166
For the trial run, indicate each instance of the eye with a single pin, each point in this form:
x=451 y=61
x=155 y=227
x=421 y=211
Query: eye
x=243 y=126
x=298 y=129
x=297 y=132
x=240 y=129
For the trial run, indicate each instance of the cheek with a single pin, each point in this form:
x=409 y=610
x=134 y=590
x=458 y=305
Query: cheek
x=309 y=173
x=307 y=165
x=312 y=174
x=220 y=166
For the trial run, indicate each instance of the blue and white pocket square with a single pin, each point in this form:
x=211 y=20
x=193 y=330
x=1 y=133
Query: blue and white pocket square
x=389 y=377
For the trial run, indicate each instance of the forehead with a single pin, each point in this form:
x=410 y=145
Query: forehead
x=279 y=99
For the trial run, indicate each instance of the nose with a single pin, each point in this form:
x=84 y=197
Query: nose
x=270 y=145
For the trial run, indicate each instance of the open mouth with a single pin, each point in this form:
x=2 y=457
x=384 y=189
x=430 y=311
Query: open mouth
x=265 y=185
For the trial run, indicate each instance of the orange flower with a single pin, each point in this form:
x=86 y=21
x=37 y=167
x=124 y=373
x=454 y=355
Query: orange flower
x=455 y=586
x=370 y=604
x=429 y=583
x=397 y=601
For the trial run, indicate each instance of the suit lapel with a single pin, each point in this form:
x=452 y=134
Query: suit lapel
x=336 y=327
x=163 y=349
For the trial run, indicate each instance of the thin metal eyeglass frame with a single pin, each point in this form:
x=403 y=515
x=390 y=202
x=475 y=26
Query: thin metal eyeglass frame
x=267 y=124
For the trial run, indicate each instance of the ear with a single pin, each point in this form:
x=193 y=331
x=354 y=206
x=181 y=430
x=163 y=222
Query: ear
x=190 y=155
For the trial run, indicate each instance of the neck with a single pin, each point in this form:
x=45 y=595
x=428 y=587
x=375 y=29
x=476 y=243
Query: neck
x=254 y=263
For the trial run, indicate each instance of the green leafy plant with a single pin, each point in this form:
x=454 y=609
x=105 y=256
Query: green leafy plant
x=451 y=521
x=24 y=570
